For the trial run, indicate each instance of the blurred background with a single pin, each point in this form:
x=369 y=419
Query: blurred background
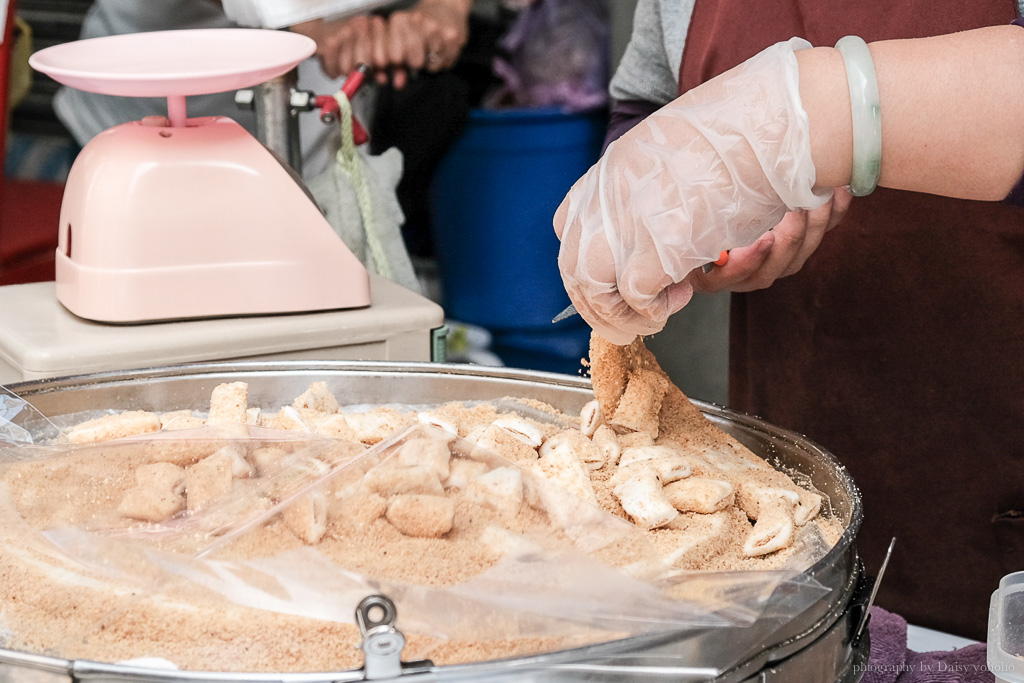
x=495 y=144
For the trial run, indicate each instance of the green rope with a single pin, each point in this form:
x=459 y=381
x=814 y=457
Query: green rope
x=352 y=165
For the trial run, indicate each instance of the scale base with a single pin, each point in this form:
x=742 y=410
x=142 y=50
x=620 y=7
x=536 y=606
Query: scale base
x=201 y=221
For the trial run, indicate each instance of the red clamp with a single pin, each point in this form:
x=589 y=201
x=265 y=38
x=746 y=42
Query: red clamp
x=329 y=106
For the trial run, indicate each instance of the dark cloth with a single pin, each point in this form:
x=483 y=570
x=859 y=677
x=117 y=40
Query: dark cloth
x=900 y=345
x=1016 y=196
x=625 y=115
x=423 y=120
x=891 y=662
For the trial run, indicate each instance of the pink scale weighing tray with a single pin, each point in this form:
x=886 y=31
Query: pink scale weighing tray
x=172 y=218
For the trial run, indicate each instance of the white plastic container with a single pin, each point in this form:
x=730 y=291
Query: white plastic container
x=1006 y=630
x=281 y=13
x=40 y=338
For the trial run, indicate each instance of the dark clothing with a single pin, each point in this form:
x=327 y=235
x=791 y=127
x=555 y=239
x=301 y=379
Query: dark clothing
x=425 y=118
x=900 y=345
x=624 y=116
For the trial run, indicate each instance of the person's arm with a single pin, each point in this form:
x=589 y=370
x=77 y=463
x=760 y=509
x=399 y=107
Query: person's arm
x=712 y=170
x=952 y=112
x=952 y=124
x=719 y=166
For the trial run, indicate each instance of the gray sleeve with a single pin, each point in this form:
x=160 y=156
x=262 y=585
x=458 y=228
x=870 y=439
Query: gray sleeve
x=86 y=114
x=649 y=69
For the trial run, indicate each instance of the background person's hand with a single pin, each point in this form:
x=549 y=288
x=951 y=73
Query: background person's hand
x=429 y=36
x=713 y=170
x=342 y=44
x=776 y=254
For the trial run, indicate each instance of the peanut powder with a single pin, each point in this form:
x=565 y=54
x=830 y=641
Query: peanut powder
x=434 y=515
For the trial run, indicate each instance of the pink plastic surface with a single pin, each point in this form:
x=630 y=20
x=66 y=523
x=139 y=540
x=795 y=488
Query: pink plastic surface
x=164 y=223
x=174 y=63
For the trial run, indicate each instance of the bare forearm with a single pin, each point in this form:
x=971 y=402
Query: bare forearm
x=952 y=112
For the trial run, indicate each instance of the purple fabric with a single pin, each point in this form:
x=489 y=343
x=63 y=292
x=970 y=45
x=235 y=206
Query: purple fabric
x=892 y=662
x=555 y=55
x=624 y=116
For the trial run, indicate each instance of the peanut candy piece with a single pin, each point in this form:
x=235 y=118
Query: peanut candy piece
x=337 y=427
x=307 y=517
x=500 y=489
x=463 y=472
x=229 y=403
x=640 y=405
x=388 y=480
x=117 y=426
x=209 y=480
x=432 y=454
x=287 y=418
x=151 y=505
x=421 y=516
x=495 y=439
x=561 y=466
x=375 y=426
x=361 y=507
x=162 y=476
x=704 y=496
x=317 y=399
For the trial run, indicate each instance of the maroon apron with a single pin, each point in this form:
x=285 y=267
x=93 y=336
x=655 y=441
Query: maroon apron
x=900 y=345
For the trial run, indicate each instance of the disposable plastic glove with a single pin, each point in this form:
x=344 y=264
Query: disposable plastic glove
x=712 y=170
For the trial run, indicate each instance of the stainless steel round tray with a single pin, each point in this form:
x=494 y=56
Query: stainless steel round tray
x=818 y=639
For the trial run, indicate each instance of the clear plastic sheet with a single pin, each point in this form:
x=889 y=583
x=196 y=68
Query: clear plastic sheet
x=486 y=550
x=21 y=423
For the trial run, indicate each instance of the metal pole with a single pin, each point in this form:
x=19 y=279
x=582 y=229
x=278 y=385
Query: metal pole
x=277 y=125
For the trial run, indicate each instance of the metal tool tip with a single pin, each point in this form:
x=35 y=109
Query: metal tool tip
x=567 y=313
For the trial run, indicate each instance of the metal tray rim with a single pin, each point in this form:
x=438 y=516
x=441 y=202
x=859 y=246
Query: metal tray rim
x=28 y=389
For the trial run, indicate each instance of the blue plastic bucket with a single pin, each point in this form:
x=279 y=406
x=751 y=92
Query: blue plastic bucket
x=558 y=349
x=493 y=198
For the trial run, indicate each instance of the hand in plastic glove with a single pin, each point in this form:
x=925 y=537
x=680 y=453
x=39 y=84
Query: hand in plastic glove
x=778 y=253
x=713 y=170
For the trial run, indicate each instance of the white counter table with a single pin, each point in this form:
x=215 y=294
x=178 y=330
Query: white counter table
x=39 y=338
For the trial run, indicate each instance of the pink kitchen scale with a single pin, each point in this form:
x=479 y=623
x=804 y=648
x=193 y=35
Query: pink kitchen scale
x=174 y=218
